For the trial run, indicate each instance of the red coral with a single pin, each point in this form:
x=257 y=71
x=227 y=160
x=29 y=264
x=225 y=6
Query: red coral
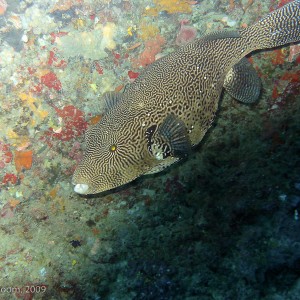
x=31 y=71
x=117 y=55
x=152 y=48
x=185 y=35
x=51 y=58
x=51 y=81
x=280 y=4
x=133 y=75
x=10 y=178
x=278 y=57
x=285 y=83
x=293 y=77
x=283 y=2
x=37 y=89
x=74 y=123
x=5 y=155
x=53 y=61
x=118 y=58
x=55 y=35
x=98 y=67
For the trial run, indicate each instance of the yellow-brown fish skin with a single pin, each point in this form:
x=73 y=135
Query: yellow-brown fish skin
x=171 y=105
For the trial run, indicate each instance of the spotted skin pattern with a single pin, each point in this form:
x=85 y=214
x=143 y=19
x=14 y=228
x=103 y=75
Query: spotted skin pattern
x=186 y=84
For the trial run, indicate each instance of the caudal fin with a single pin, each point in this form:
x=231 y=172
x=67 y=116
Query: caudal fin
x=280 y=27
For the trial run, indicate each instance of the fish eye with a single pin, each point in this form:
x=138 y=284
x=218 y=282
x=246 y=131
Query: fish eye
x=113 y=148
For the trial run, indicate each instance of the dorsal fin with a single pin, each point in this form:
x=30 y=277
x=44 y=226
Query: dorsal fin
x=217 y=35
x=110 y=100
x=242 y=82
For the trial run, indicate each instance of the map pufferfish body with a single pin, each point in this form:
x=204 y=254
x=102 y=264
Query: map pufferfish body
x=170 y=106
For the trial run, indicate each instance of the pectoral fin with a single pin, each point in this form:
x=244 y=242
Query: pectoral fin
x=170 y=139
x=242 y=82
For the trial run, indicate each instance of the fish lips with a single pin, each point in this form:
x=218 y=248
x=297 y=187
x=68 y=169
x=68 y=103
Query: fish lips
x=81 y=188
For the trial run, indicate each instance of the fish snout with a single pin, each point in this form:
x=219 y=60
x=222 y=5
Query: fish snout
x=81 y=188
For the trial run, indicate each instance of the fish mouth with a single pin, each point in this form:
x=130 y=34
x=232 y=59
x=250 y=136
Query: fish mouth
x=81 y=188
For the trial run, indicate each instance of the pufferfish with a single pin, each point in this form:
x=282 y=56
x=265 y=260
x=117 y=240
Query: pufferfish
x=167 y=110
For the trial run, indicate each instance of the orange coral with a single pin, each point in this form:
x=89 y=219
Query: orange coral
x=34 y=104
x=170 y=6
x=134 y=46
x=53 y=192
x=119 y=88
x=152 y=48
x=64 y=5
x=94 y=120
x=231 y=4
x=3 y=7
x=23 y=159
x=13 y=203
x=278 y=56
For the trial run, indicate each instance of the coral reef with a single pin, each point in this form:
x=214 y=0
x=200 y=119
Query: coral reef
x=89 y=44
x=148 y=56
x=186 y=34
x=224 y=224
x=170 y=6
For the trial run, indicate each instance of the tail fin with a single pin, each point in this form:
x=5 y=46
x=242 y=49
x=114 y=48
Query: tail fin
x=280 y=27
